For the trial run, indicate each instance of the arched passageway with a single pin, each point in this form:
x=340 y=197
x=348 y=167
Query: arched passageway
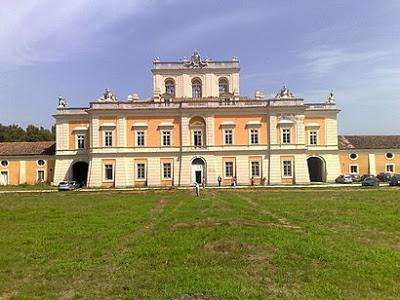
x=316 y=169
x=80 y=172
x=198 y=170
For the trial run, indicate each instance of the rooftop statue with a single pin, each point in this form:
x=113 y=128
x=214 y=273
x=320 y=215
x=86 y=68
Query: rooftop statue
x=196 y=61
x=331 y=98
x=61 y=102
x=108 y=96
x=284 y=93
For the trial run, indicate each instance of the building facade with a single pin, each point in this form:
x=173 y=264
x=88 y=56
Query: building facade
x=197 y=127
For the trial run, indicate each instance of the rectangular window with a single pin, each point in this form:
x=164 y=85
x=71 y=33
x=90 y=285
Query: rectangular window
x=254 y=136
x=108 y=172
x=313 y=138
x=166 y=138
x=167 y=173
x=140 y=171
x=287 y=168
x=197 y=137
x=140 y=138
x=228 y=136
x=81 y=141
x=255 y=169
x=108 y=138
x=353 y=169
x=40 y=175
x=285 y=136
x=389 y=168
x=229 y=169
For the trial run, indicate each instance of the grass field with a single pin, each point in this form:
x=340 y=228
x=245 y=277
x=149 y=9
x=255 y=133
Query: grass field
x=227 y=244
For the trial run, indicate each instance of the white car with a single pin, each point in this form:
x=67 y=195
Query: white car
x=68 y=185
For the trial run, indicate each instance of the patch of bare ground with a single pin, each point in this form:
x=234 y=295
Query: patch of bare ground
x=279 y=221
x=197 y=296
x=214 y=223
x=67 y=295
x=8 y=295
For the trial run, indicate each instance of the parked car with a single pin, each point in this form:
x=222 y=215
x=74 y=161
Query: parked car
x=356 y=178
x=395 y=180
x=68 y=185
x=370 y=181
x=366 y=176
x=384 y=177
x=344 y=179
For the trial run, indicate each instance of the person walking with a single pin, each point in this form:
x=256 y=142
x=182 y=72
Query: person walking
x=197 y=189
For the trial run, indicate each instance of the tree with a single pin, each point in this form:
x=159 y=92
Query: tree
x=15 y=133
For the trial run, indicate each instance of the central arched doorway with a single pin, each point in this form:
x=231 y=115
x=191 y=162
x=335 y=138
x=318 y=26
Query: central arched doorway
x=198 y=170
x=80 y=172
x=316 y=169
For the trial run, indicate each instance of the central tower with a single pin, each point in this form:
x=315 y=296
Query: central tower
x=195 y=78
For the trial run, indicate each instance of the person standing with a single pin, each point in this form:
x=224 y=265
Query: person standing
x=197 y=189
x=203 y=182
x=219 y=180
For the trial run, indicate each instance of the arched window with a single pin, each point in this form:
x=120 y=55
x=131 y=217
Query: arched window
x=223 y=86
x=170 y=87
x=196 y=88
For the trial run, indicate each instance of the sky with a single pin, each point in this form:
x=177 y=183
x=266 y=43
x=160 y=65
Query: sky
x=77 y=48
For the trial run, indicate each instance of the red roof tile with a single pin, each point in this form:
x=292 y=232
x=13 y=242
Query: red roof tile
x=27 y=148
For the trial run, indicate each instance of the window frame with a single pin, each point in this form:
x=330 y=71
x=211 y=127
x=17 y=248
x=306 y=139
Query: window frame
x=8 y=176
x=166 y=83
x=39 y=165
x=286 y=136
x=7 y=163
x=163 y=132
x=170 y=170
x=291 y=168
x=105 y=179
x=142 y=136
x=109 y=134
x=38 y=177
x=354 y=166
x=77 y=145
x=232 y=163
x=257 y=135
x=259 y=168
x=350 y=154
x=196 y=82
x=137 y=178
x=310 y=136
x=389 y=158
x=201 y=137
x=220 y=80
x=391 y=165
x=225 y=130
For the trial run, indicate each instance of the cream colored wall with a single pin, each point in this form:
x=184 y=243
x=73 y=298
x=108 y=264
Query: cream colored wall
x=183 y=80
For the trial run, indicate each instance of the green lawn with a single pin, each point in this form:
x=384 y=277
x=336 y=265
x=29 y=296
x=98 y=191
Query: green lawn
x=227 y=244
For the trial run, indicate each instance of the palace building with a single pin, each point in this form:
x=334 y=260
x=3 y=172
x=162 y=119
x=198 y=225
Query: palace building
x=197 y=127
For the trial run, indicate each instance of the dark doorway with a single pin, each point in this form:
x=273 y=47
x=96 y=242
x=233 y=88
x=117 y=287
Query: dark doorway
x=198 y=177
x=80 y=172
x=316 y=169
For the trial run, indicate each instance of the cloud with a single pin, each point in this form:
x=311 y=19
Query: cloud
x=46 y=30
x=321 y=61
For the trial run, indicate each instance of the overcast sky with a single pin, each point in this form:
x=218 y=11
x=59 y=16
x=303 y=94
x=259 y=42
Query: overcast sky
x=76 y=48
